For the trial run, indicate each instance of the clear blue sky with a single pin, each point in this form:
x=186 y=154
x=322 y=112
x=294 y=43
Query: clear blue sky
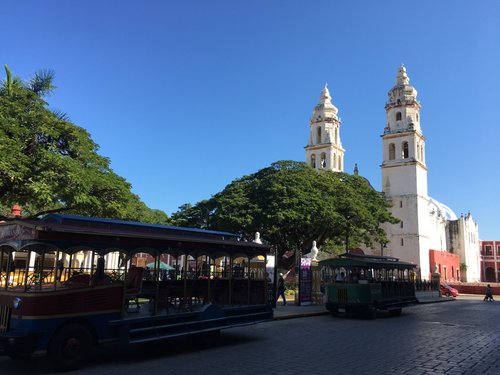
x=186 y=96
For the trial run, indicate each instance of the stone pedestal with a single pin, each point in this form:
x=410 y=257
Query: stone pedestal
x=436 y=278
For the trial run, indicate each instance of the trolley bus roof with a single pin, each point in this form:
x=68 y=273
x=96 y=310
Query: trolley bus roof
x=348 y=260
x=71 y=233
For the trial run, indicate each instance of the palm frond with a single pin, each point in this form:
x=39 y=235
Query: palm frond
x=42 y=82
x=60 y=115
x=9 y=80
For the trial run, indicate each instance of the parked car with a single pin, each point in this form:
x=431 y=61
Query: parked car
x=448 y=290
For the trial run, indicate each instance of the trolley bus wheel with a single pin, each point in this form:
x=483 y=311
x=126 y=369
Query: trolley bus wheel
x=334 y=312
x=371 y=313
x=70 y=347
x=395 y=312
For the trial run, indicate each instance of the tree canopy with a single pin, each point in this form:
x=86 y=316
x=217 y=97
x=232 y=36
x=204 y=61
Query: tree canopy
x=48 y=164
x=291 y=205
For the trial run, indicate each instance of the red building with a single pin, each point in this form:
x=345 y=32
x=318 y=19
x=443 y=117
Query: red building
x=490 y=261
x=448 y=265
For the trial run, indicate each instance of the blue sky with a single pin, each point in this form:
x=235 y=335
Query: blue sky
x=186 y=96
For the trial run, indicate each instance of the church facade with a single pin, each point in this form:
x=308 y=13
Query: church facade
x=429 y=233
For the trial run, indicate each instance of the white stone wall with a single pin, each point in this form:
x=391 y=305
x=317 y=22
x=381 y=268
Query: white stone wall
x=463 y=240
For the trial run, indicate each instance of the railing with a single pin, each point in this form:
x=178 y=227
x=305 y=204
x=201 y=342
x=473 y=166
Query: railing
x=424 y=285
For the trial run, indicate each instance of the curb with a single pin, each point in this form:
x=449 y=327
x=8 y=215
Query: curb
x=446 y=299
x=300 y=315
x=319 y=313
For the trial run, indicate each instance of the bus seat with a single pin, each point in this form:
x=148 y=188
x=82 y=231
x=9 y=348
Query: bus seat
x=78 y=280
x=133 y=284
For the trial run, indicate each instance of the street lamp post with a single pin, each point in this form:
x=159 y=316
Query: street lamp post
x=275 y=276
x=383 y=245
x=347 y=238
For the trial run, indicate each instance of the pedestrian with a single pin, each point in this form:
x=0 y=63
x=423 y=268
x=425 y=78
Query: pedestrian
x=488 y=294
x=281 y=289
x=59 y=269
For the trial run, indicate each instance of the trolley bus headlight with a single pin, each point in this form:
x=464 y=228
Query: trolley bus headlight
x=16 y=303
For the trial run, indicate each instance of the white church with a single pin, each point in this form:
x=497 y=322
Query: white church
x=429 y=233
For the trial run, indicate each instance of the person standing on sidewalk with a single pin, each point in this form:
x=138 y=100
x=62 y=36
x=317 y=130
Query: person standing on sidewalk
x=281 y=289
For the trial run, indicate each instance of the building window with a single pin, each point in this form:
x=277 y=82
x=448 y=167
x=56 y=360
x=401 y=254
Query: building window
x=417 y=116
x=318 y=133
x=404 y=153
x=400 y=204
x=487 y=250
x=323 y=160
x=392 y=151
x=402 y=242
x=401 y=223
x=313 y=161
x=398 y=116
x=498 y=250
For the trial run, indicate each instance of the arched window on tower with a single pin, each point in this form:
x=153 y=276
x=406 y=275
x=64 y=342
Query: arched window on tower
x=417 y=116
x=404 y=153
x=313 y=161
x=392 y=151
x=398 y=116
x=340 y=163
x=334 y=160
x=323 y=160
x=318 y=134
x=336 y=136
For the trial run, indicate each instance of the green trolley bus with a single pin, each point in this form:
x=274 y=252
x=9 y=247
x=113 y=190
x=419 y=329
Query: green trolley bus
x=365 y=284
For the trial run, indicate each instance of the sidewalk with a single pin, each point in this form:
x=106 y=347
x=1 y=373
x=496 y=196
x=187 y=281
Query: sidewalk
x=432 y=297
x=291 y=311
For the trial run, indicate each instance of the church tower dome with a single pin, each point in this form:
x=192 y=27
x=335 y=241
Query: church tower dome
x=324 y=149
x=403 y=108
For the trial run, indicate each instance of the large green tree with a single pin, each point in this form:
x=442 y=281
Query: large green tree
x=292 y=204
x=48 y=164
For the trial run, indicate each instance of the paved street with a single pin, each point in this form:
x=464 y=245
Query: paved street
x=458 y=337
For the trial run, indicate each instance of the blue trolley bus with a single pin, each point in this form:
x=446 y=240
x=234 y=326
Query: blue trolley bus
x=69 y=283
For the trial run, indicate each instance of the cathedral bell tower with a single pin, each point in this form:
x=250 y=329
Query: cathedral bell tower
x=403 y=166
x=404 y=175
x=324 y=149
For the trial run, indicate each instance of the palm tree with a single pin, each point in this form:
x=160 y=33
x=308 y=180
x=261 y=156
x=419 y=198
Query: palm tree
x=42 y=83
